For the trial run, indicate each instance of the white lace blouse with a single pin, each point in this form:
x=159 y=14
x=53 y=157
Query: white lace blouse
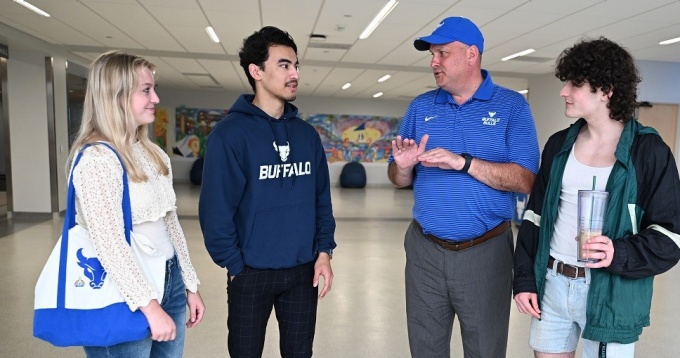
x=98 y=182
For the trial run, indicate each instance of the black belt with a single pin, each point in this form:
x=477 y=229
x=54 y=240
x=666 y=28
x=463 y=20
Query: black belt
x=462 y=245
x=566 y=269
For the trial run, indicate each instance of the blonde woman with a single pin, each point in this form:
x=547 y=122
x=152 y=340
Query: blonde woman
x=119 y=105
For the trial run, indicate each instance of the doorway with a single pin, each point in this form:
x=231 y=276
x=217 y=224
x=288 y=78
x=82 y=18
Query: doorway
x=663 y=118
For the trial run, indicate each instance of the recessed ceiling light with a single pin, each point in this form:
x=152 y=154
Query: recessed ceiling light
x=346 y=85
x=377 y=95
x=378 y=19
x=523 y=91
x=671 y=41
x=384 y=78
x=212 y=34
x=521 y=53
x=32 y=7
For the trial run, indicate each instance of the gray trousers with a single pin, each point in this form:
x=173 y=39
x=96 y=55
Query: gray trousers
x=475 y=284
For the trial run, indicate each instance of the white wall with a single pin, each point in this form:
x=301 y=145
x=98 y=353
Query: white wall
x=660 y=82
x=28 y=130
x=27 y=105
x=547 y=106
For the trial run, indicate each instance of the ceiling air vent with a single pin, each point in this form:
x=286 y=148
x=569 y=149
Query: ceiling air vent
x=202 y=79
x=329 y=46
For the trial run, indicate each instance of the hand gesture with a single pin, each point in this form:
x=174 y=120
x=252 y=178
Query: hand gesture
x=441 y=158
x=405 y=151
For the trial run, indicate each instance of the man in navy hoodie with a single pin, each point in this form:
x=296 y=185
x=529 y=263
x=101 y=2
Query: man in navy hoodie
x=265 y=204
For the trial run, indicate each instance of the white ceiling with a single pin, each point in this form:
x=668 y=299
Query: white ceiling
x=171 y=33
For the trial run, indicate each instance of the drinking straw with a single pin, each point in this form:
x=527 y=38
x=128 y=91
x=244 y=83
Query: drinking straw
x=592 y=204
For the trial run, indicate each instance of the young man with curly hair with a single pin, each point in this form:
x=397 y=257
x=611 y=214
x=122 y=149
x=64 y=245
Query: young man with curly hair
x=606 y=302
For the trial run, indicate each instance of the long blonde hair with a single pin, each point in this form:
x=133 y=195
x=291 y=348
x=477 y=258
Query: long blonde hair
x=107 y=113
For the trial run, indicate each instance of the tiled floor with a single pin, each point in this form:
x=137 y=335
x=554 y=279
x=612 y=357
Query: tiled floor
x=363 y=316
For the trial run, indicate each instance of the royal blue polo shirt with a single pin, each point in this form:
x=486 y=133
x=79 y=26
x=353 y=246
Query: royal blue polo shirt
x=495 y=125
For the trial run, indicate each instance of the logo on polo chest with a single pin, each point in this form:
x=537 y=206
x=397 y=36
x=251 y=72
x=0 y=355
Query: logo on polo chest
x=491 y=120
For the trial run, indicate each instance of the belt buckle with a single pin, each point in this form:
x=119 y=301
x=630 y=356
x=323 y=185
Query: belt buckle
x=575 y=270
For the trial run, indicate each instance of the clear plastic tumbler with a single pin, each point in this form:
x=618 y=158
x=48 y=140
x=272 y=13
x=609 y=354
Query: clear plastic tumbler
x=592 y=205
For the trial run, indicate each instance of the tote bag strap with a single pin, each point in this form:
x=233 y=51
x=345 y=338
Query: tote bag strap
x=70 y=219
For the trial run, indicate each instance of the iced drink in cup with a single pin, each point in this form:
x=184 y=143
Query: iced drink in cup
x=592 y=205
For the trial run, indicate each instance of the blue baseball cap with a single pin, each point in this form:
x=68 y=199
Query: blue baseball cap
x=452 y=29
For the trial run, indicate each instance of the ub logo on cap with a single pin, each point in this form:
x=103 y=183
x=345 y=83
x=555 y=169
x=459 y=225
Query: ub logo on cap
x=452 y=29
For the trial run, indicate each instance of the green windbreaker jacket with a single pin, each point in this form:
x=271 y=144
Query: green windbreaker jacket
x=642 y=219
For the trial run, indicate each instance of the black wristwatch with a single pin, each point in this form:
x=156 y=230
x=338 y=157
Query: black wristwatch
x=468 y=160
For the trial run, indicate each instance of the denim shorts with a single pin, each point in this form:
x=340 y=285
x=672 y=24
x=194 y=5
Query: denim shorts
x=563 y=317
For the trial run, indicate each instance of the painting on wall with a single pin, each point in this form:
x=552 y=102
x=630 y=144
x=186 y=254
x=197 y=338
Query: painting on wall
x=160 y=128
x=192 y=126
x=348 y=138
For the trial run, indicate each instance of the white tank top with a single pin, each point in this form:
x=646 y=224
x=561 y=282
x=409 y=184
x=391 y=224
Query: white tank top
x=577 y=176
x=157 y=232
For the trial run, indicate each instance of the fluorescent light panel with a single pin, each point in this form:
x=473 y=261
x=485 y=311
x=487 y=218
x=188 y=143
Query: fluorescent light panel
x=384 y=78
x=378 y=19
x=523 y=91
x=670 y=41
x=212 y=34
x=346 y=85
x=377 y=95
x=32 y=7
x=521 y=53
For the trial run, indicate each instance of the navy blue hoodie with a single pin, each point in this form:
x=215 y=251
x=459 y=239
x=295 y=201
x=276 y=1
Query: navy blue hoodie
x=265 y=197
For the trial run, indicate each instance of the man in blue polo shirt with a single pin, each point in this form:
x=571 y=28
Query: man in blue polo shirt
x=466 y=148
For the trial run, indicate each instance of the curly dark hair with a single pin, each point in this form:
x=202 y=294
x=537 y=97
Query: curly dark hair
x=256 y=48
x=605 y=65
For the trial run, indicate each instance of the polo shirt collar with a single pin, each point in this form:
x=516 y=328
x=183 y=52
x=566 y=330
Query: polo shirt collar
x=483 y=93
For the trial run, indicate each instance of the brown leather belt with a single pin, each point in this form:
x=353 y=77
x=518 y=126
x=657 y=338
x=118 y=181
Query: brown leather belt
x=462 y=245
x=566 y=269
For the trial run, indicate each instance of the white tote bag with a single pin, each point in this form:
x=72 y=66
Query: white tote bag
x=76 y=304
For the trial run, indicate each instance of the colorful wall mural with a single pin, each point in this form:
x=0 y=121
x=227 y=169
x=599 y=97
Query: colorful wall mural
x=192 y=126
x=345 y=137
x=348 y=138
x=160 y=127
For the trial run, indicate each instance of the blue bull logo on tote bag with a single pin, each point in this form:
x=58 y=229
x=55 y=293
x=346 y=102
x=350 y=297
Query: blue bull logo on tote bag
x=93 y=269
